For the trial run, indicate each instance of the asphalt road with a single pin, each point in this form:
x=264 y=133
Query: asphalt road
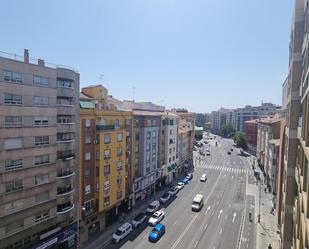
x=222 y=223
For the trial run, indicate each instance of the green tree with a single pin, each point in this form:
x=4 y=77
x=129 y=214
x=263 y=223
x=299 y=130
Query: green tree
x=240 y=140
x=227 y=130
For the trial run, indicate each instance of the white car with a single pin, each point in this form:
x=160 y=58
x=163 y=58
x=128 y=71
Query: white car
x=203 y=178
x=180 y=185
x=122 y=232
x=165 y=197
x=156 y=218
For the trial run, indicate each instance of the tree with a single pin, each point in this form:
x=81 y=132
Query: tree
x=227 y=130
x=240 y=140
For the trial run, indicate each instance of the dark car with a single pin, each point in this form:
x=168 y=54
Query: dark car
x=229 y=153
x=138 y=219
x=156 y=233
x=173 y=191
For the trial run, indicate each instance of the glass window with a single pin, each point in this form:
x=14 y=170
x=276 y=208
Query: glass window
x=87 y=156
x=87 y=123
x=87 y=189
x=40 y=80
x=13 y=121
x=119 y=137
x=42 y=197
x=41 y=140
x=107 y=169
x=42 y=159
x=106 y=185
x=41 y=121
x=87 y=139
x=14 y=206
x=13 y=185
x=13 y=164
x=119 y=151
x=39 y=100
x=41 y=216
x=116 y=124
x=87 y=172
x=13 y=143
x=12 y=99
x=12 y=76
x=119 y=180
x=41 y=179
x=64 y=83
x=106 y=200
x=107 y=138
x=119 y=165
x=107 y=154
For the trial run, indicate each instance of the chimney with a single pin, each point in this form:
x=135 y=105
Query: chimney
x=41 y=62
x=26 y=56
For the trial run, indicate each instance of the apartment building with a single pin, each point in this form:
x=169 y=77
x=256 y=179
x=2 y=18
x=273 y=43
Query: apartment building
x=39 y=143
x=105 y=161
x=251 y=129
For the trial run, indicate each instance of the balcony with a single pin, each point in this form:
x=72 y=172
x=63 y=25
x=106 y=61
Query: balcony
x=65 y=127
x=65 y=174
x=62 y=191
x=66 y=110
x=66 y=156
x=65 y=208
x=65 y=91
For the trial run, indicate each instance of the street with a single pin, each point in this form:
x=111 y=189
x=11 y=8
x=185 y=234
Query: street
x=224 y=220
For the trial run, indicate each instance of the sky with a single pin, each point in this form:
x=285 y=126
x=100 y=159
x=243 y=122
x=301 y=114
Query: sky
x=194 y=54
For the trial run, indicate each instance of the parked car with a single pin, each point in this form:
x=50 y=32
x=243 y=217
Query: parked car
x=189 y=176
x=156 y=233
x=184 y=180
x=231 y=149
x=173 y=190
x=153 y=207
x=122 y=232
x=165 y=198
x=203 y=178
x=156 y=218
x=180 y=185
x=229 y=153
x=138 y=219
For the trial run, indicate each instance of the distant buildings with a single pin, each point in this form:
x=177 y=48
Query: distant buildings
x=251 y=132
x=39 y=153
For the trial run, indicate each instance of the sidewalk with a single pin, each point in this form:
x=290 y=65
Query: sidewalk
x=105 y=237
x=266 y=230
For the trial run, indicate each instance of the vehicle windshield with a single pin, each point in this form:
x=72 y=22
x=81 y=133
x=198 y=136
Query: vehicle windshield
x=151 y=206
x=155 y=215
x=165 y=196
x=195 y=203
x=155 y=231
x=118 y=232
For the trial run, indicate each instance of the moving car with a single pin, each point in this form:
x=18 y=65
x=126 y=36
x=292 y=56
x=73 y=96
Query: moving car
x=198 y=203
x=231 y=149
x=156 y=218
x=203 y=178
x=165 y=197
x=138 y=219
x=229 y=153
x=180 y=185
x=156 y=233
x=208 y=153
x=122 y=232
x=189 y=176
x=173 y=190
x=153 y=207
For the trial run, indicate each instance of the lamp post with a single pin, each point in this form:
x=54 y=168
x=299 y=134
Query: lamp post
x=259 y=216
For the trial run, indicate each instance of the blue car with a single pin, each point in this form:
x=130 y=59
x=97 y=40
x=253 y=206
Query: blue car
x=185 y=180
x=156 y=233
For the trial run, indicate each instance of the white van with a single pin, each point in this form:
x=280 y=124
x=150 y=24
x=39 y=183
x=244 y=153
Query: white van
x=198 y=202
x=203 y=178
x=153 y=207
x=122 y=232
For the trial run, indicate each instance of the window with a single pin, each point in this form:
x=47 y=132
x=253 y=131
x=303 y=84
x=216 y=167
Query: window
x=107 y=169
x=13 y=185
x=170 y=150
x=41 y=140
x=119 y=180
x=107 y=138
x=171 y=132
x=106 y=185
x=119 y=137
x=41 y=217
x=12 y=99
x=64 y=83
x=12 y=76
x=87 y=123
x=40 y=80
x=169 y=160
x=65 y=136
x=173 y=158
x=13 y=164
x=116 y=124
x=13 y=206
x=38 y=100
x=13 y=121
x=87 y=172
x=13 y=143
x=154 y=134
x=64 y=120
x=148 y=135
x=87 y=189
x=42 y=197
x=65 y=101
x=97 y=156
x=106 y=200
x=119 y=151
x=119 y=165
x=41 y=121
x=14 y=226
x=119 y=194
x=87 y=139
x=41 y=179
x=107 y=154
x=42 y=159
x=87 y=156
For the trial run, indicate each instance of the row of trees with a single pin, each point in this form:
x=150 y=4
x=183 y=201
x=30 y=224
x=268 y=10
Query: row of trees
x=239 y=138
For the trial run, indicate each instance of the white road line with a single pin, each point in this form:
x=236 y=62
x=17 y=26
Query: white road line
x=174 y=223
x=196 y=243
x=234 y=215
x=205 y=227
x=220 y=212
x=220 y=231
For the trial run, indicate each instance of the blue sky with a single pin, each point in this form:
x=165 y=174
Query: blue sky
x=197 y=54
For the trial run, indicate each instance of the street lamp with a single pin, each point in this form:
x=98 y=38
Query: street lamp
x=259 y=216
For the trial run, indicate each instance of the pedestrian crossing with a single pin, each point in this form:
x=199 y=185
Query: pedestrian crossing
x=222 y=168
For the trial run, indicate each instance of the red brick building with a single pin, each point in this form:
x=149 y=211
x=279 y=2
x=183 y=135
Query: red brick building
x=251 y=128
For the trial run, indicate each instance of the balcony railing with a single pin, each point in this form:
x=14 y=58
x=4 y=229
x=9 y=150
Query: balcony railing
x=65 y=174
x=64 y=208
x=66 y=157
x=64 y=191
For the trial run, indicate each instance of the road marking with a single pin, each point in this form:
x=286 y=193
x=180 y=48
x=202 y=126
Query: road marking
x=174 y=223
x=220 y=212
x=234 y=215
x=196 y=243
x=205 y=227
x=220 y=231
x=207 y=210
